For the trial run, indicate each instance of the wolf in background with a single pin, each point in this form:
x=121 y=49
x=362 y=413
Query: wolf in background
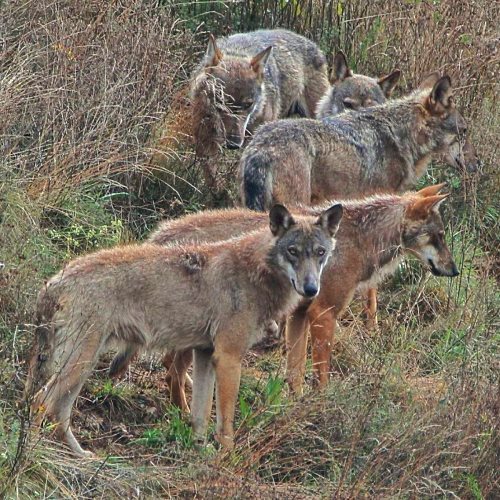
x=208 y=297
x=251 y=78
x=350 y=91
x=382 y=148
x=374 y=235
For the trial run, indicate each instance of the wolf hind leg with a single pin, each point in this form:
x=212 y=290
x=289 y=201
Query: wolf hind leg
x=177 y=364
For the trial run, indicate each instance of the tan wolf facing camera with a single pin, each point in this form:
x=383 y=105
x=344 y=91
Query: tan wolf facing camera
x=208 y=297
x=251 y=78
x=374 y=235
x=351 y=91
x=381 y=148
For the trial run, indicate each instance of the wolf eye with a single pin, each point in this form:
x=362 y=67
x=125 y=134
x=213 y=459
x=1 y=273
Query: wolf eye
x=247 y=105
x=292 y=251
x=320 y=252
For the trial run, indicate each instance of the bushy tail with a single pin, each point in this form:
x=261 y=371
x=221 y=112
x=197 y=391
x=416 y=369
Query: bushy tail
x=122 y=359
x=256 y=188
x=42 y=350
x=41 y=353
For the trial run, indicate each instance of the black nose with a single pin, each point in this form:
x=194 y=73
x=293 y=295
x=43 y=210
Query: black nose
x=232 y=145
x=454 y=271
x=310 y=289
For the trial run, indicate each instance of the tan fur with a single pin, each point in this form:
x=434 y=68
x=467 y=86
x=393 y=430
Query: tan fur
x=213 y=298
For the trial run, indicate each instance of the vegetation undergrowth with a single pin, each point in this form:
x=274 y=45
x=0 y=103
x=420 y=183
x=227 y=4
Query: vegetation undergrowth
x=97 y=149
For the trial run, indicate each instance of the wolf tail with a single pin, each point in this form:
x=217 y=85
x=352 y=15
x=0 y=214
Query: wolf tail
x=41 y=365
x=257 y=181
x=121 y=361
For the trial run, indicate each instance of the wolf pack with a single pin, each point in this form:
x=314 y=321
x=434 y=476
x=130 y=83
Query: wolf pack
x=326 y=212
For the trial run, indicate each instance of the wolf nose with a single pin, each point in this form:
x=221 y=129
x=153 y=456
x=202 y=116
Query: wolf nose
x=233 y=143
x=310 y=289
x=454 y=271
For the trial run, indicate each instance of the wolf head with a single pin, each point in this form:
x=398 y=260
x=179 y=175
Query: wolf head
x=235 y=87
x=302 y=249
x=350 y=91
x=444 y=125
x=423 y=232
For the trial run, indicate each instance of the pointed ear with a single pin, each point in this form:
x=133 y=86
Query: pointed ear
x=280 y=220
x=421 y=207
x=340 y=70
x=258 y=62
x=213 y=55
x=330 y=219
x=431 y=190
x=387 y=83
x=429 y=81
x=441 y=94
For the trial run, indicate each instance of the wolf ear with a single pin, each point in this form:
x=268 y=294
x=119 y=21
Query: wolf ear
x=429 y=81
x=213 y=55
x=421 y=207
x=388 y=82
x=441 y=94
x=431 y=190
x=330 y=219
x=340 y=70
x=280 y=220
x=259 y=61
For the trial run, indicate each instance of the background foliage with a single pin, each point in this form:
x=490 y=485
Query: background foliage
x=96 y=145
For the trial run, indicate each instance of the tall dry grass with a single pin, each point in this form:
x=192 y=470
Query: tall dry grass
x=95 y=131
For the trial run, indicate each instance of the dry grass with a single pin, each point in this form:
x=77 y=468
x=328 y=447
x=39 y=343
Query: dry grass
x=96 y=132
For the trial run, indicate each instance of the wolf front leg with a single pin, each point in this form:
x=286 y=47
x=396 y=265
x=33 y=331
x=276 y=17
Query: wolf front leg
x=296 y=350
x=227 y=360
x=322 y=320
x=371 y=309
x=203 y=391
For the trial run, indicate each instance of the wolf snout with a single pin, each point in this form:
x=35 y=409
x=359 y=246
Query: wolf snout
x=310 y=289
x=454 y=271
x=234 y=142
x=450 y=272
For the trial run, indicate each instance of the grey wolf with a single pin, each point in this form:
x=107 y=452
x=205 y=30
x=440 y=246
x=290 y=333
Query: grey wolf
x=248 y=79
x=350 y=91
x=374 y=235
x=381 y=148
x=208 y=297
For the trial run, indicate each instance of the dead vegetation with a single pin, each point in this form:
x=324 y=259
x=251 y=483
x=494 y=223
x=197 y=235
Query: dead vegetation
x=95 y=130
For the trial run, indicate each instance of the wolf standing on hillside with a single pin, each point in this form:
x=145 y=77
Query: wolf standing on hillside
x=212 y=298
x=251 y=78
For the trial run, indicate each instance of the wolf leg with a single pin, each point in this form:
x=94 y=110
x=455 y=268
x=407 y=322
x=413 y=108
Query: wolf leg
x=177 y=364
x=296 y=349
x=371 y=309
x=322 y=324
x=228 y=373
x=203 y=391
